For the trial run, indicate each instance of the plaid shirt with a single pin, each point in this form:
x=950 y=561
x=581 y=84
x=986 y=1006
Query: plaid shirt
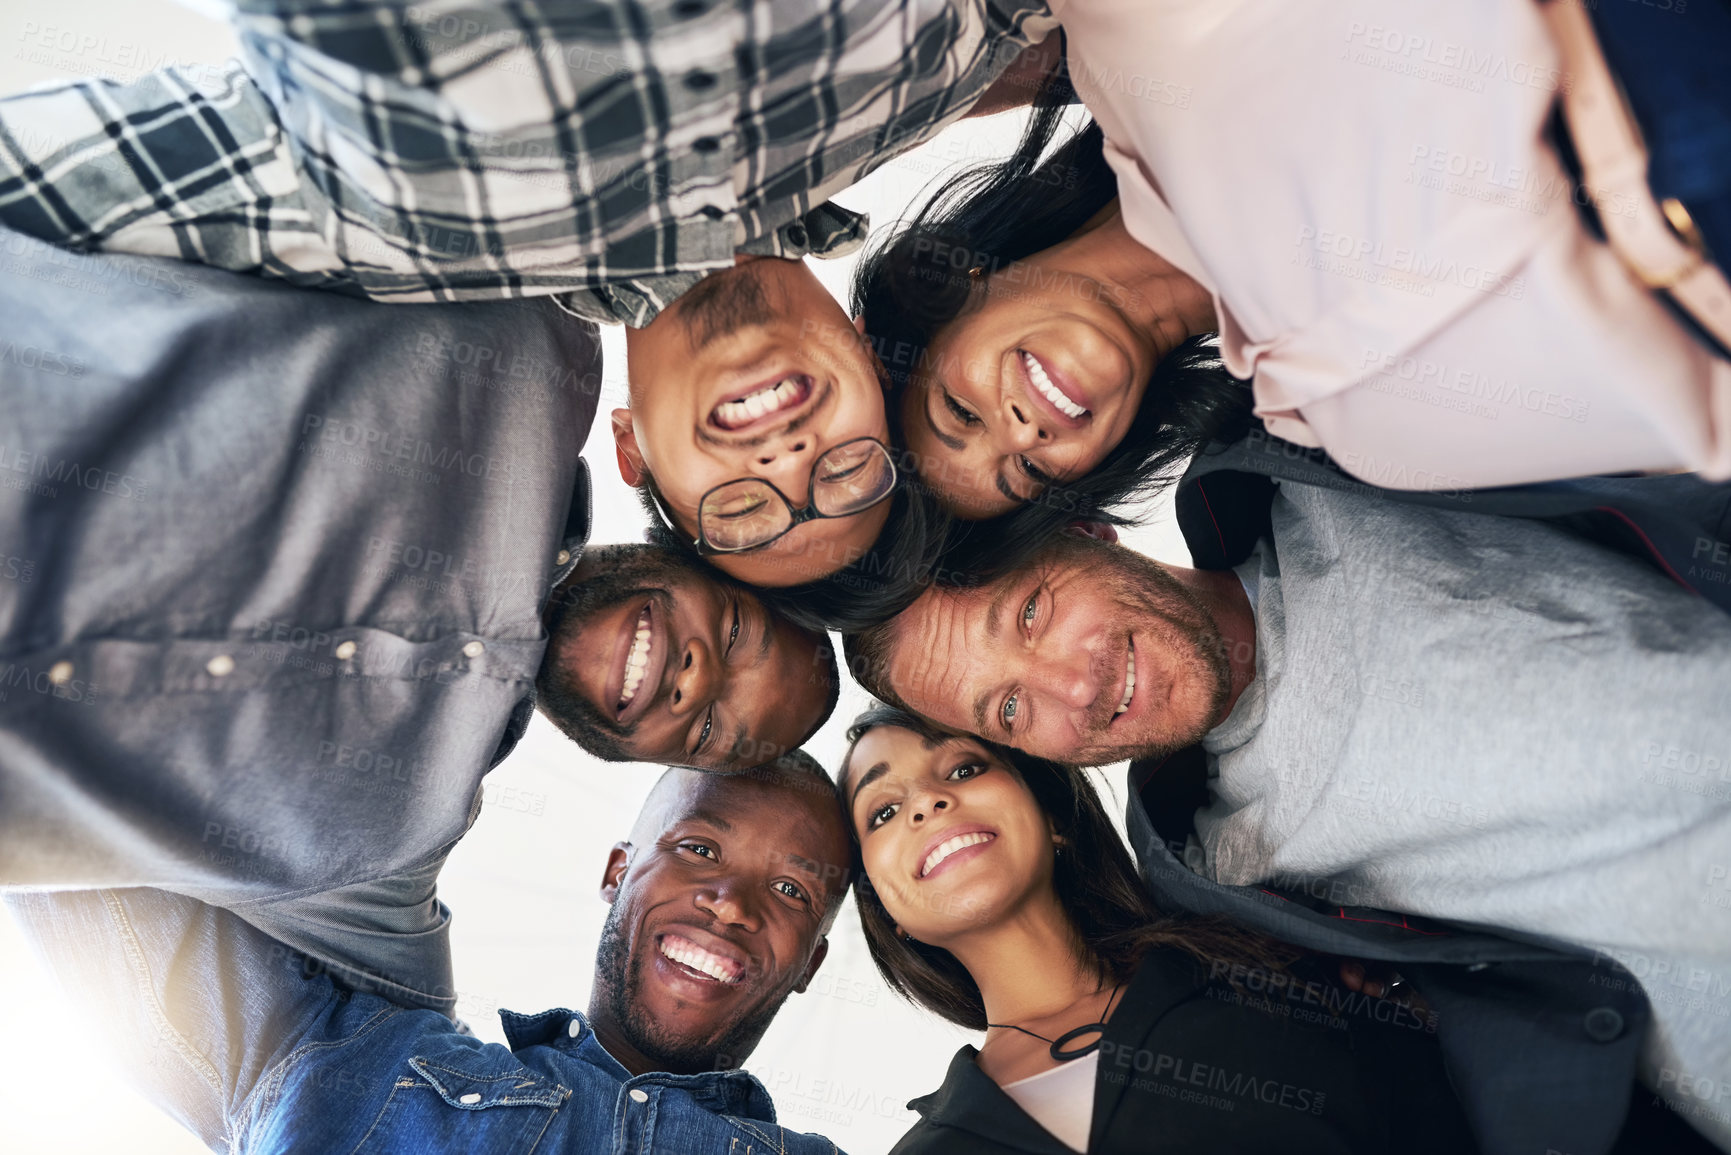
x=610 y=150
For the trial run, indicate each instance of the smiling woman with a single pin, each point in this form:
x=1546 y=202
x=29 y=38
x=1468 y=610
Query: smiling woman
x=998 y=895
x=1043 y=368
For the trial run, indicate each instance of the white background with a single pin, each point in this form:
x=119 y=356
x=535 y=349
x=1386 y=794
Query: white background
x=843 y=1059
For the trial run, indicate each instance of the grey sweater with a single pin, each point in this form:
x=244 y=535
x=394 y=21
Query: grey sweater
x=1491 y=721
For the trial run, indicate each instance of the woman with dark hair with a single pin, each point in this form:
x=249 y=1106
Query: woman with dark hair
x=1007 y=243
x=1431 y=328
x=997 y=894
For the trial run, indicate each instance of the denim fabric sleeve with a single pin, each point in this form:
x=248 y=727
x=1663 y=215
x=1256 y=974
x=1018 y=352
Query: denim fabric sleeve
x=199 y=1004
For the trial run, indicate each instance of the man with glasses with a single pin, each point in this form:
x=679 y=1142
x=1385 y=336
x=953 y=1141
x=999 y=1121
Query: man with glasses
x=623 y=156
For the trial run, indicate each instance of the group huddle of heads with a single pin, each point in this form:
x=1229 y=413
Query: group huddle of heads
x=911 y=477
x=907 y=477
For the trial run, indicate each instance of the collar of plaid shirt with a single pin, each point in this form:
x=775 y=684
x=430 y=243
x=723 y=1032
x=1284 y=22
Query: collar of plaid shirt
x=612 y=152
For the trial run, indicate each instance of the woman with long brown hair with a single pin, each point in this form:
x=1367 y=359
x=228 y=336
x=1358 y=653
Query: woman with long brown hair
x=997 y=894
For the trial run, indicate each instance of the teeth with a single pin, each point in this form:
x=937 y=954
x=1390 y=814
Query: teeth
x=637 y=661
x=1037 y=374
x=682 y=950
x=950 y=846
x=765 y=400
x=1129 y=682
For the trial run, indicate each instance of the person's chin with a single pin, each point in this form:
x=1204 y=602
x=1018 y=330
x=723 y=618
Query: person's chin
x=686 y=1009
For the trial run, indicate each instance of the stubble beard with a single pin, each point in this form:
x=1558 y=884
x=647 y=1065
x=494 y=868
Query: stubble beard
x=618 y=995
x=1188 y=630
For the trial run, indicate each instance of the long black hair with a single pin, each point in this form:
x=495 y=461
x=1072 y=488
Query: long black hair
x=1113 y=916
x=913 y=284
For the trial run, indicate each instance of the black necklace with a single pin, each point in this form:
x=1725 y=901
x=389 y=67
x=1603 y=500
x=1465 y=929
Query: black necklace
x=1059 y=1054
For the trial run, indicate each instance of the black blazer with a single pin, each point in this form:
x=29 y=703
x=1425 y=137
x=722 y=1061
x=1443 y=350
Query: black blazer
x=1193 y=1065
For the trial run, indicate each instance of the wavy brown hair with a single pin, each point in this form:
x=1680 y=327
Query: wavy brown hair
x=1112 y=915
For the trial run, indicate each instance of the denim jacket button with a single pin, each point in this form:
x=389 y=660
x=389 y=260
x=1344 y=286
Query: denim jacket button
x=471 y=1097
x=639 y=1096
x=575 y=1029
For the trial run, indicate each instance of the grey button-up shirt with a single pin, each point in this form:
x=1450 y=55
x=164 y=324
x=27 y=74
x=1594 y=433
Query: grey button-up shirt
x=272 y=565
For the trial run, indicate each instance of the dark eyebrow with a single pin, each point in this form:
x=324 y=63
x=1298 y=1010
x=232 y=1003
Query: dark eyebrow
x=711 y=818
x=867 y=779
x=954 y=443
x=1004 y=488
x=765 y=628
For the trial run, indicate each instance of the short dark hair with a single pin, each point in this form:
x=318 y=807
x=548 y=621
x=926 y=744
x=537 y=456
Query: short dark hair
x=1111 y=911
x=916 y=281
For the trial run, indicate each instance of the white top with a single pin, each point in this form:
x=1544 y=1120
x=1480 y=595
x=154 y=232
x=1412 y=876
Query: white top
x=1061 y=1100
x=1391 y=244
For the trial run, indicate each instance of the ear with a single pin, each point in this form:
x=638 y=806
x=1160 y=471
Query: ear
x=818 y=954
x=1098 y=530
x=625 y=447
x=618 y=860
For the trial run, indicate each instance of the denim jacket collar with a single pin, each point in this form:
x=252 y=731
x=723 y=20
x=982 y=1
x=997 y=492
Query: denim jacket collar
x=735 y=1092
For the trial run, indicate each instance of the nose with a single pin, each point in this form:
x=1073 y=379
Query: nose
x=1068 y=680
x=785 y=462
x=1020 y=430
x=728 y=900
x=927 y=804
x=698 y=681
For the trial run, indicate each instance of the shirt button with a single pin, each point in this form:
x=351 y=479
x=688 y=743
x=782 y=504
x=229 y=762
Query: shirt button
x=220 y=666
x=471 y=1097
x=1603 y=1025
x=699 y=81
x=562 y=557
x=796 y=236
x=575 y=1029
x=713 y=213
x=60 y=673
x=706 y=144
x=638 y=1096
x=344 y=651
x=473 y=650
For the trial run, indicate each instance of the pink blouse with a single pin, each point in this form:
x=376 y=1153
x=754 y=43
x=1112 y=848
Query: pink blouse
x=1390 y=241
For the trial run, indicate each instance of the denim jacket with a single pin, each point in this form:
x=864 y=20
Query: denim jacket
x=419 y=1086
x=253 y=1047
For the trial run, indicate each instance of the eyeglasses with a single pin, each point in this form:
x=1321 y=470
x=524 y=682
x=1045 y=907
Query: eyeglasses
x=751 y=513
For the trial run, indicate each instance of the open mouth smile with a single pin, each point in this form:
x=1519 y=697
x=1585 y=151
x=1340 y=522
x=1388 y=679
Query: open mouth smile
x=701 y=963
x=641 y=659
x=1049 y=390
x=761 y=404
x=953 y=845
x=1129 y=681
